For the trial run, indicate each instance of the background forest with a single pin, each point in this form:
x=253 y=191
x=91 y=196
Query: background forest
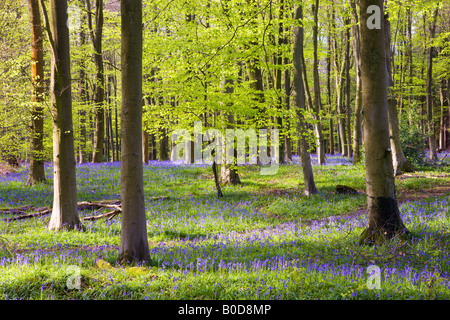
x=192 y=47
x=129 y=222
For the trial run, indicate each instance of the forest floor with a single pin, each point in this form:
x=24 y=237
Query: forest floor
x=263 y=240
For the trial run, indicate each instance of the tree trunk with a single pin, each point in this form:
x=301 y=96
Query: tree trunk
x=65 y=211
x=339 y=99
x=441 y=117
x=99 y=95
x=145 y=152
x=358 y=107
x=317 y=101
x=287 y=102
x=228 y=172
x=278 y=62
x=329 y=96
x=36 y=171
x=429 y=96
x=410 y=65
x=400 y=163
x=347 y=89
x=299 y=101
x=83 y=85
x=164 y=145
x=134 y=243
x=384 y=220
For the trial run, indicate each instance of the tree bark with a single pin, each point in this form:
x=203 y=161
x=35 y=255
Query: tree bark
x=36 y=170
x=64 y=212
x=317 y=100
x=358 y=106
x=228 y=172
x=384 y=220
x=400 y=163
x=83 y=85
x=145 y=151
x=299 y=101
x=99 y=95
x=429 y=96
x=134 y=243
x=347 y=90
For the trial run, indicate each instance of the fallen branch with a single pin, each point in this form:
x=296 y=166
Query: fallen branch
x=83 y=205
x=110 y=214
x=30 y=215
x=17 y=210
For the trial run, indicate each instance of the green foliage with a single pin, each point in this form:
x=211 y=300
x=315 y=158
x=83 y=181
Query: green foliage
x=413 y=143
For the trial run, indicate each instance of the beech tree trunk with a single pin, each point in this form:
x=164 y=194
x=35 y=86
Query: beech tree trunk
x=358 y=106
x=83 y=85
x=299 y=101
x=347 y=90
x=383 y=214
x=429 y=95
x=99 y=95
x=317 y=100
x=228 y=172
x=400 y=163
x=65 y=211
x=134 y=242
x=36 y=171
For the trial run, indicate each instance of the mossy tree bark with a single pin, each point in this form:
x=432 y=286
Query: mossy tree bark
x=65 y=210
x=384 y=220
x=134 y=242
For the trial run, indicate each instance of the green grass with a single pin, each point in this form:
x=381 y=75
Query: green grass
x=263 y=240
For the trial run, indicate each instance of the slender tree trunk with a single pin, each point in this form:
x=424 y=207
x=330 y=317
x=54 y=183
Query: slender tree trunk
x=384 y=220
x=299 y=101
x=339 y=78
x=164 y=146
x=441 y=117
x=410 y=65
x=65 y=210
x=347 y=90
x=429 y=95
x=82 y=154
x=134 y=243
x=447 y=123
x=331 y=125
x=400 y=163
x=145 y=151
x=36 y=171
x=358 y=106
x=228 y=172
x=317 y=100
x=287 y=102
x=278 y=62
x=99 y=96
